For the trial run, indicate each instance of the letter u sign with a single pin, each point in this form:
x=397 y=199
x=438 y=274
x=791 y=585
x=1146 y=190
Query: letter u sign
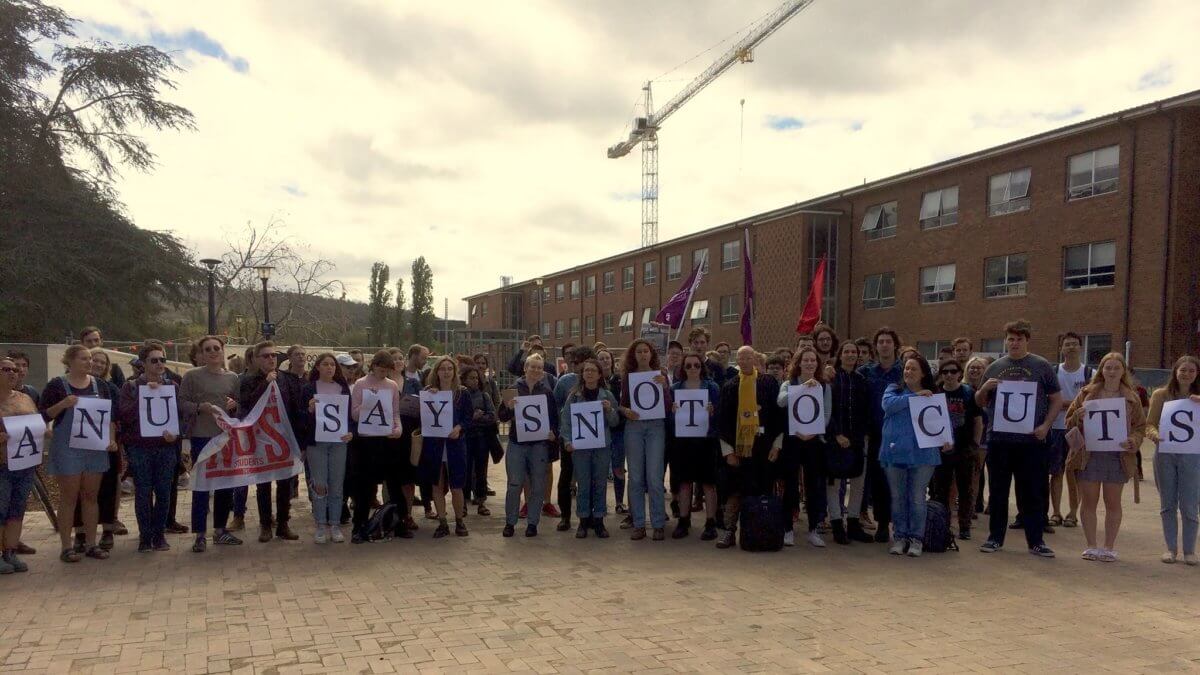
x=1016 y=407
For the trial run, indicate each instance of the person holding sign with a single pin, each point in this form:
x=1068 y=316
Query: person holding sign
x=695 y=451
x=377 y=458
x=251 y=387
x=612 y=380
x=644 y=401
x=1022 y=397
x=1177 y=462
x=78 y=471
x=850 y=416
x=444 y=457
x=587 y=418
x=958 y=463
x=1107 y=471
x=15 y=481
x=808 y=402
x=526 y=460
x=481 y=435
x=145 y=412
x=327 y=400
x=909 y=466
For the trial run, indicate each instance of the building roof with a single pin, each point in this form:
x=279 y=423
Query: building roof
x=815 y=205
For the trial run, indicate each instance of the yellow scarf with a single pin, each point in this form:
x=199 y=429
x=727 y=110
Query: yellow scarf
x=747 y=413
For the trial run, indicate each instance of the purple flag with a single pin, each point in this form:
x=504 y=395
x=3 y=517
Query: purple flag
x=673 y=312
x=747 y=295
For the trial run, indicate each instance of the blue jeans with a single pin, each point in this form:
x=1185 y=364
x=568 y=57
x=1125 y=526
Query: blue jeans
x=153 y=473
x=327 y=471
x=645 y=451
x=525 y=462
x=908 y=484
x=222 y=499
x=1178 y=479
x=591 y=478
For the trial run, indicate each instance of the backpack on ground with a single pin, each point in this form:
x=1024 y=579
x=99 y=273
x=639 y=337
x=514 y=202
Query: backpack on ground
x=938 y=537
x=382 y=524
x=761 y=523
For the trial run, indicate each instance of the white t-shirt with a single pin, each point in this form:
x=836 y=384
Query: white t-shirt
x=1070 y=383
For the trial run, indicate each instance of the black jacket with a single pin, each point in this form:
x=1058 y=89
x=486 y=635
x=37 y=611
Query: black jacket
x=771 y=418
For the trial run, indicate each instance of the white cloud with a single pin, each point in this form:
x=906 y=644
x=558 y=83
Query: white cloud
x=474 y=134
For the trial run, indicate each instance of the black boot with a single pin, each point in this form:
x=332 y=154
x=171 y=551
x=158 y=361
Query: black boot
x=564 y=524
x=710 y=530
x=856 y=533
x=584 y=524
x=839 y=532
x=882 y=533
x=601 y=531
x=682 y=527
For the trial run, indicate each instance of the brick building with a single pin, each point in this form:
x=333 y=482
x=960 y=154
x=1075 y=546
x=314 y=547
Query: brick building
x=1093 y=227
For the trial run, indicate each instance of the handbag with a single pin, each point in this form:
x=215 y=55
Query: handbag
x=1075 y=450
x=414 y=455
x=495 y=449
x=844 y=462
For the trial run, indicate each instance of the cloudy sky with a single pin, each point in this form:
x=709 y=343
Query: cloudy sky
x=474 y=133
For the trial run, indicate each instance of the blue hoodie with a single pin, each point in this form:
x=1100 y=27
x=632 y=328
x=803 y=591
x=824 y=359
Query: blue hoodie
x=899 y=440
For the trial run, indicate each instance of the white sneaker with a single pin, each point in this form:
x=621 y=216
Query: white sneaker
x=897 y=547
x=335 y=534
x=915 y=547
x=789 y=538
x=815 y=539
x=320 y=536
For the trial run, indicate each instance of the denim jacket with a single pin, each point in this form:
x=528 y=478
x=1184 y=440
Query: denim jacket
x=899 y=440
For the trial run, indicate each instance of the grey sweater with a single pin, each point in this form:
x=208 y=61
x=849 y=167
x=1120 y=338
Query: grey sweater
x=201 y=386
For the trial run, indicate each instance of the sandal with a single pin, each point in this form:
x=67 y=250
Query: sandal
x=97 y=553
x=483 y=510
x=1070 y=521
x=69 y=555
x=1056 y=521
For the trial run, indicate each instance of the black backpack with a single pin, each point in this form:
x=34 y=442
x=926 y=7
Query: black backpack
x=844 y=462
x=761 y=523
x=382 y=524
x=938 y=537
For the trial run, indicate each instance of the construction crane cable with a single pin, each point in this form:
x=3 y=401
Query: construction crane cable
x=727 y=38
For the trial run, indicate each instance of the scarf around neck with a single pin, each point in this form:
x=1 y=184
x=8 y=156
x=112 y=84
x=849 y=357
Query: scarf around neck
x=747 y=411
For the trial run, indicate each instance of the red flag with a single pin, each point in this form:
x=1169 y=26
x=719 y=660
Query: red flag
x=812 y=306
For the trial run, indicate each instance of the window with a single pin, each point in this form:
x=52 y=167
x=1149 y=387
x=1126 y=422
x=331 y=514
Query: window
x=674 y=267
x=575 y=326
x=608 y=324
x=1090 y=265
x=560 y=292
x=589 y=325
x=647 y=315
x=574 y=289
x=546 y=329
x=610 y=281
x=699 y=314
x=589 y=288
x=930 y=348
x=533 y=297
x=627 y=278
x=1095 y=347
x=649 y=273
x=626 y=322
x=474 y=309
x=1008 y=192
x=699 y=256
x=1005 y=276
x=731 y=254
x=939 y=208
x=1093 y=173
x=483 y=308
x=558 y=328
x=545 y=294
x=730 y=312
x=937 y=284
x=992 y=345
x=880 y=221
x=879 y=291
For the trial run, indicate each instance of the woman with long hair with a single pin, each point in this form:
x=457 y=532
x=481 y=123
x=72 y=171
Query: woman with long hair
x=108 y=498
x=804 y=451
x=1106 y=472
x=326 y=460
x=846 y=440
x=973 y=376
x=591 y=465
x=694 y=459
x=612 y=380
x=826 y=342
x=480 y=436
x=15 y=484
x=645 y=445
x=376 y=459
x=1177 y=475
x=444 y=460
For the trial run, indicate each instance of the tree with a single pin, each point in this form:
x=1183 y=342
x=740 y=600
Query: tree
x=378 y=297
x=397 y=333
x=422 y=302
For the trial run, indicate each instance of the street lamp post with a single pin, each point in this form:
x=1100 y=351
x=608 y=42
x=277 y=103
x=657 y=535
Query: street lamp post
x=268 y=328
x=240 y=330
x=211 y=264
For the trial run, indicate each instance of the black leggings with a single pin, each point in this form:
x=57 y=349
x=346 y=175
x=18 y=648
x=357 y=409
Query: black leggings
x=372 y=462
x=810 y=456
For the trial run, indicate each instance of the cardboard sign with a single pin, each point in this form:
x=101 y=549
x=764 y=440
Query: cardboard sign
x=91 y=424
x=587 y=425
x=332 y=417
x=691 y=420
x=806 y=409
x=532 y=417
x=646 y=397
x=376 y=417
x=158 y=411
x=931 y=420
x=258 y=448
x=437 y=414
x=26 y=439
x=1016 y=407
x=1179 y=428
x=1104 y=424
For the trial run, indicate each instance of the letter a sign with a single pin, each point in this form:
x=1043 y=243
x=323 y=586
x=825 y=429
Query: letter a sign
x=26 y=434
x=1016 y=406
x=158 y=411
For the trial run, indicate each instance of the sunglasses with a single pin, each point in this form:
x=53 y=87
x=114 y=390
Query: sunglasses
x=691 y=366
x=213 y=349
x=156 y=359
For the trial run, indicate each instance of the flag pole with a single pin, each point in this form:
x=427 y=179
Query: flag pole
x=691 y=293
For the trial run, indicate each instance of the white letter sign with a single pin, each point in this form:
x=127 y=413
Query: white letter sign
x=1178 y=428
x=587 y=425
x=646 y=396
x=691 y=420
x=931 y=420
x=1104 y=426
x=26 y=436
x=375 y=417
x=332 y=417
x=437 y=414
x=91 y=424
x=532 y=417
x=806 y=409
x=1016 y=406
x=158 y=411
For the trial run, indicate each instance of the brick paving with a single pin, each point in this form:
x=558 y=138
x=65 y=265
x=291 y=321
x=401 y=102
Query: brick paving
x=555 y=604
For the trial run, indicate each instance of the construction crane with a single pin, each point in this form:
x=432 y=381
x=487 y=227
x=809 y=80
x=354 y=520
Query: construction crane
x=645 y=129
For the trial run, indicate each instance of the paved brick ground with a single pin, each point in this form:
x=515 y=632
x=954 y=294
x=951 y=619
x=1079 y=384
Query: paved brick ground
x=555 y=604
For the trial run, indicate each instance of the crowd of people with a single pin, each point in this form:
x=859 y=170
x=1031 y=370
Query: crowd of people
x=866 y=479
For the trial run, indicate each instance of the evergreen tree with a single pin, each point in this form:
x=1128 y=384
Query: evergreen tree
x=397 y=330
x=422 y=302
x=379 y=297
